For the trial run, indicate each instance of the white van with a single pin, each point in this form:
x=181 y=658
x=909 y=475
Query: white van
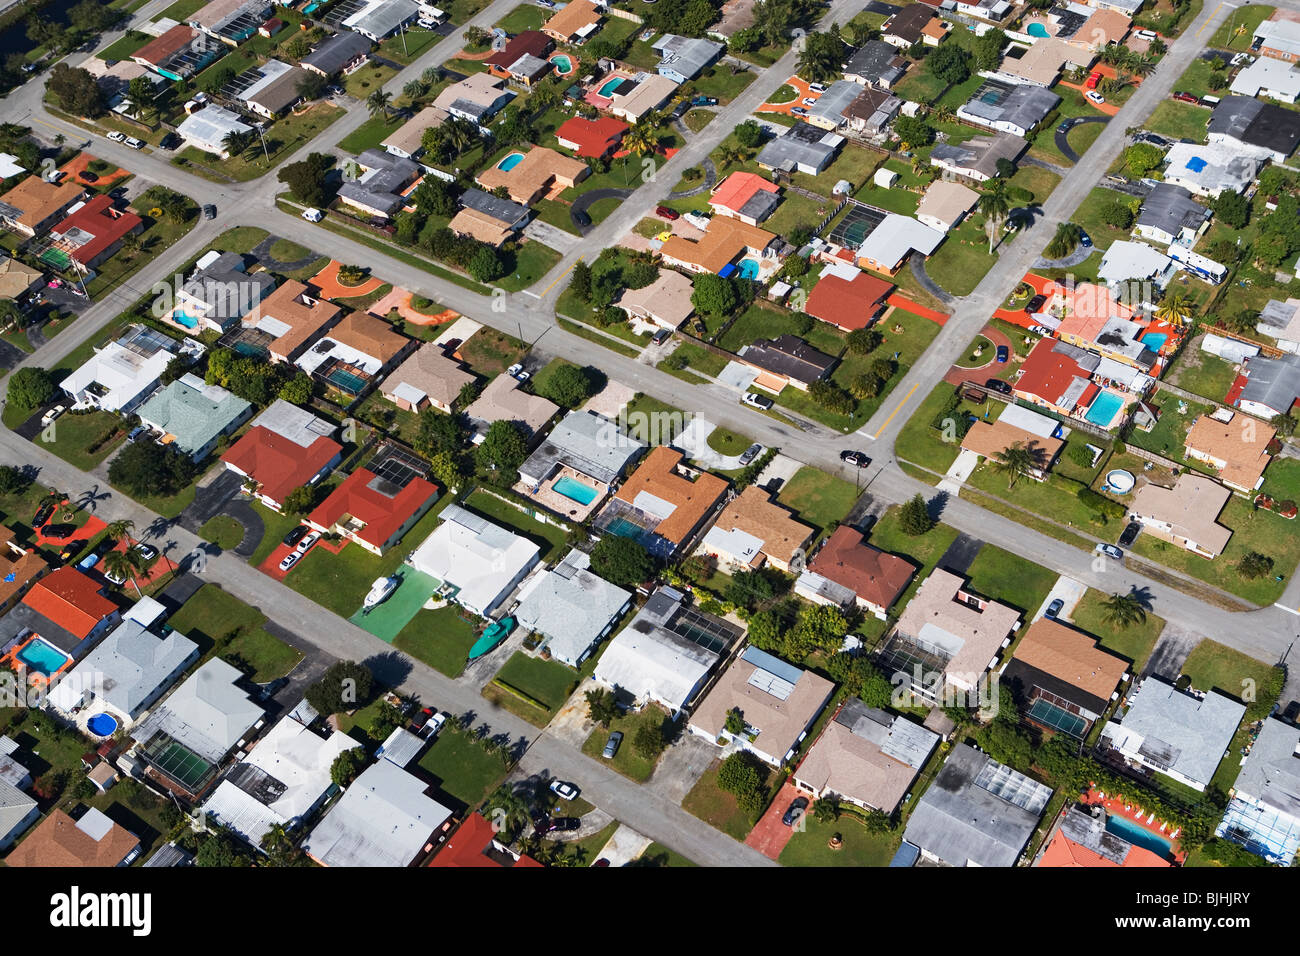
x=1147 y=35
x=313 y=215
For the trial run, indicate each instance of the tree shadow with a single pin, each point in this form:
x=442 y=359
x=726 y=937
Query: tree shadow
x=936 y=506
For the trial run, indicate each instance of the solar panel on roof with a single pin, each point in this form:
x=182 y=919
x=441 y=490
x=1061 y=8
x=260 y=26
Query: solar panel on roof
x=769 y=683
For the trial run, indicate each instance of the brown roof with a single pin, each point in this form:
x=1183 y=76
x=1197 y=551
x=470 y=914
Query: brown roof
x=908 y=22
x=503 y=400
x=410 y=135
x=58 y=841
x=16 y=277
x=725 y=239
x=1241 y=442
x=668 y=298
x=875 y=576
x=1071 y=656
x=158 y=49
x=693 y=499
x=484 y=228
x=1103 y=27
x=576 y=15
x=17 y=566
x=1190 y=508
x=371 y=335
x=754 y=512
x=979 y=630
x=779 y=721
x=526 y=41
x=991 y=439
x=298 y=307
x=38 y=200
x=844 y=763
x=432 y=372
x=538 y=170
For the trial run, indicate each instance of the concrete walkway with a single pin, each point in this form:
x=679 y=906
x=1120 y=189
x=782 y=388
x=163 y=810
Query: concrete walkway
x=624 y=847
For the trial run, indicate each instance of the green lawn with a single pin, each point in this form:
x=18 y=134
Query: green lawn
x=464 y=770
x=1133 y=642
x=489 y=352
x=627 y=761
x=696 y=357
x=811 y=846
x=1202 y=373
x=283 y=139
x=1037 y=180
x=718 y=808
x=550 y=538
x=526 y=16
x=546 y=682
x=1055 y=498
x=719 y=81
x=923 y=444
x=962 y=261
x=924 y=551
x=74 y=434
x=1088 y=217
x=371 y=77
x=1169 y=436
x=266 y=655
x=657 y=855
x=763 y=320
x=213 y=614
x=532 y=260
x=440 y=638
x=652 y=421
x=277 y=526
x=1010 y=579
x=123 y=47
x=223 y=531
x=1212 y=666
x=726 y=442
x=1245 y=19
x=369 y=134
x=817 y=498
x=1178 y=120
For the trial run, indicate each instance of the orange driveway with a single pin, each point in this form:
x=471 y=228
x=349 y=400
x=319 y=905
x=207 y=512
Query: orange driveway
x=770 y=835
x=802 y=91
x=1107 y=72
x=81 y=161
x=327 y=281
x=899 y=301
x=92 y=527
x=400 y=300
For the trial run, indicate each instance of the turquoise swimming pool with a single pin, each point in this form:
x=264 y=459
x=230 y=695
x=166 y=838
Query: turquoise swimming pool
x=181 y=317
x=563 y=65
x=1155 y=341
x=1104 y=409
x=43 y=657
x=748 y=269
x=610 y=86
x=1140 y=836
x=510 y=161
x=1037 y=30
x=575 y=490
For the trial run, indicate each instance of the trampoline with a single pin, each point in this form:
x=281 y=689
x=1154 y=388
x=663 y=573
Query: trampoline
x=1046 y=714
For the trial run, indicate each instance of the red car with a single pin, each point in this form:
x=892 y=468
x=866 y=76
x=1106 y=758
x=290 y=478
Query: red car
x=1187 y=98
x=1093 y=79
x=665 y=213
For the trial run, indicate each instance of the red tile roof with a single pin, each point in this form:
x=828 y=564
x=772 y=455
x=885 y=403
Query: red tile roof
x=69 y=599
x=847 y=304
x=527 y=41
x=157 y=50
x=467 y=847
x=106 y=224
x=382 y=515
x=593 y=137
x=873 y=575
x=1063 y=851
x=278 y=464
x=738 y=188
x=1046 y=373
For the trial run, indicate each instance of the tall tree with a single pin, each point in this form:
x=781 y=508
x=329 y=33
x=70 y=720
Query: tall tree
x=1015 y=462
x=1123 y=610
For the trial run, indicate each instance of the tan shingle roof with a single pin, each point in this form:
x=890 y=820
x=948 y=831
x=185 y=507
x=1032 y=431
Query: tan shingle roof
x=286 y=304
x=576 y=15
x=38 y=200
x=725 y=239
x=693 y=499
x=432 y=372
x=58 y=841
x=368 y=334
x=991 y=439
x=754 y=512
x=1241 y=443
x=1190 y=507
x=1071 y=656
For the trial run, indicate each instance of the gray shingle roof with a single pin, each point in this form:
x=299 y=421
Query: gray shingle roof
x=876 y=62
x=337 y=52
x=587 y=442
x=1274 y=383
x=1171 y=209
x=571 y=606
x=686 y=55
x=1271 y=772
x=129 y=666
x=1255 y=123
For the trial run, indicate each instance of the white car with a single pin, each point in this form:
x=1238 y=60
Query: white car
x=115 y=577
x=116 y=137
x=305 y=544
x=133 y=142
x=817 y=87
x=52 y=414
x=1095 y=97
x=290 y=559
x=435 y=724
x=564 y=790
x=1040 y=330
x=514 y=370
x=313 y=215
x=760 y=402
x=810 y=101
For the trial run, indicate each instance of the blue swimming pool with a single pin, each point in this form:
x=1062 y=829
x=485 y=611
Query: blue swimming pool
x=563 y=65
x=748 y=269
x=1037 y=30
x=575 y=490
x=43 y=657
x=510 y=162
x=625 y=529
x=1104 y=409
x=611 y=85
x=102 y=725
x=1155 y=341
x=1139 y=836
x=181 y=317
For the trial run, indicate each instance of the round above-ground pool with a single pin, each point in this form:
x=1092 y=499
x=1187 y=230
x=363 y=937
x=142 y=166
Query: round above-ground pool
x=748 y=269
x=563 y=65
x=510 y=161
x=1120 y=481
x=1037 y=30
x=102 y=725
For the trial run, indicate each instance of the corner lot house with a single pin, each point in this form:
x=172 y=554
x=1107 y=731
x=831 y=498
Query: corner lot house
x=373 y=510
x=1185 y=514
x=724 y=241
x=274 y=90
x=956 y=633
x=386 y=818
x=525 y=43
x=287 y=448
x=663 y=304
x=377 y=19
x=1236 y=445
x=381 y=189
x=663 y=503
x=1062 y=678
x=91 y=841
x=487 y=218
x=428 y=378
x=576 y=21
x=991 y=440
x=1179 y=735
x=778 y=702
x=754 y=530
x=123 y=373
x=848 y=298
x=847 y=570
x=93 y=231
x=570 y=608
x=666 y=653
x=478 y=561
x=915 y=21
x=1278 y=37
x=786 y=360
x=35 y=204
x=206 y=129
x=218 y=293
x=407 y=141
x=1264 y=815
x=341 y=53
x=866 y=757
x=977 y=812
x=281 y=782
x=1268 y=77
x=192 y=415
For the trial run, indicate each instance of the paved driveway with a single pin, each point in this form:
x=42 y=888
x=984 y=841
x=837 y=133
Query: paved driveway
x=770 y=835
x=1068 y=590
x=548 y=235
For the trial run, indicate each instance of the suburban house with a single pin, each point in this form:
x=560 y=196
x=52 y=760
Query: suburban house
x=990 y=440
x=12 y=770
x=1207 y=169
x=381 y=189
x=488 y=218
x=754 y=530
x=429 y=378
x=184 y=740
x=847 y=570
x=634 y=98
x=230 y=21
x=287 y=447
x=1250 y=126
x=777 y=701
x=177 y=53
x=540 y=173
x=663 y=304
x=995 y=10
x=877 y=63
x=945 y=204
x=1169 y=214
x=36 y=204
x=475 y=844
x=594 y=138
x=1062 y=679
x=503 y=400
x=65 y=608
x=977 y=812
x=867 y=757
x=477 y=562
x=124 y=372
x=274 y=91
x=1042 y=63
x=192 y=415
x=526 y=43
x=1128 y=262
x=218 y=294
x=577 y=464
x=377 y=19
x=871 y=112
x=1236 y=445
x=571 y=609
x=374 y=511
x=19 y=567
x=92 y=232
x=786 y=360
x=1264 y=815
x=407 y=141
x=724 y=241
x=1278 y=37
x=127 y=671
x=341 y=53
x=976 y=159
x=1058 y=376
x=282 y=781
x=384 y=818
x=684 y=58
x=92 y=841
x=666 y=653
x=1272 y=385
x=848 y=302
x=1275 y=79
x=889 y=245
x=1186 y=514
x=1082 y=840
x=356 y=352
x=1009 y=107
x=916 y=22
x=829 y=111
x=577 y=21
x=957 y=633
x=477 y=98
x=1180 y=735
x=17 y=812
x=206 y=129
x=291 y=319
x=1281 y=321
x=745 y=196
x=663 y=500
x=17 y=279
x=803 y=148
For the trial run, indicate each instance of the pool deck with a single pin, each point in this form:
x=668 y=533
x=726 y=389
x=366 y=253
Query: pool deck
x=562 y=505
x=1116 y=805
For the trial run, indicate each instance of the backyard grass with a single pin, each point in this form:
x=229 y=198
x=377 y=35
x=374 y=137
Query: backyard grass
x=526 y=16
x=962 y=261
x=74 y=434
x=464 y=770
x=440 y=638
x=1010 y=579
x=1212 y=666
x=810 y=846
x=1202 y=373
x=1088 y=218
x=765 y=321
x=223 y=531
x=627 y=761
x=550 y=538
x=718 y=808
x=817 y=498
x=546 y=682
x=698 y=358
x=1179 y=120
x=370 y=134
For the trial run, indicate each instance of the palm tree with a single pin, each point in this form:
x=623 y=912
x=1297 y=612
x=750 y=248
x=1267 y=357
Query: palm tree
x=139 y=96
x=459 y=135
x=1175 y=308
x=1123 y=610
x=640 y=140
x=1015 y=462
x=120 y=530
x=125 y=565
x=996 y=207
x=729 y=156
x=1064 y=242
x=237 y=142
x=415 y=89
x=53 y=497
x=378 y=102
x=1142 y=65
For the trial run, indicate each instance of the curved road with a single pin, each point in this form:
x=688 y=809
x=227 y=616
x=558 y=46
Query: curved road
x=1063 y=140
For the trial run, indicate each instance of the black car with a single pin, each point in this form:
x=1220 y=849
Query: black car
x=59 y=531
x=296 y=535
x=1054 y=608
x=1035 y=304
x=42 y=516
x=855 y=458
x=209 y=211
x=558 y=824
x=1131 y=531
x=997 y=385
x=796 y=810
